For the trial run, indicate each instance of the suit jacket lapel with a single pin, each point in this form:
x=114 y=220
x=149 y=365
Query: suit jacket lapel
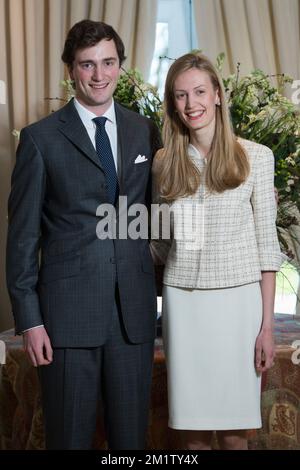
x=73 y=128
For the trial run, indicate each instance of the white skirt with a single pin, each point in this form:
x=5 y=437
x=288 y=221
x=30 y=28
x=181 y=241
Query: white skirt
x=209 y=341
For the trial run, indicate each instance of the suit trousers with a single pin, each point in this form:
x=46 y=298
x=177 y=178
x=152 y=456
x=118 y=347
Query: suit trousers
x=118 y=371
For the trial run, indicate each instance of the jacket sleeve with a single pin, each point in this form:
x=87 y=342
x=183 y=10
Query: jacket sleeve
x=24 y=225
x=265 y=211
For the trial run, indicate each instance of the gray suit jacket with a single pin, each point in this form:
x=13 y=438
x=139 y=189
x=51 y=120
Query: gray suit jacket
x=57 y=185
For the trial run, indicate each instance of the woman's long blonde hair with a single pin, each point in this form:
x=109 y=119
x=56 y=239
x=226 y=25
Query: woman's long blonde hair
x=227 y=166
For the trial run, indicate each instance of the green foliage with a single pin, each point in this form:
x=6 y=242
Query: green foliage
x=68 y=88
x=133 y=93
x=139 y=96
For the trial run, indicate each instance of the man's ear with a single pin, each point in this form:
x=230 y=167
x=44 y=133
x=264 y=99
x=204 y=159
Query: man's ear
x=70 y=70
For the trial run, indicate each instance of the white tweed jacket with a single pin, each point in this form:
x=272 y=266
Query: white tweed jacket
x=225 y=239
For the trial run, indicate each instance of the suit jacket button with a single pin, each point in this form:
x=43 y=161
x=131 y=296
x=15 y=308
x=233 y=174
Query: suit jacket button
x=112 y=260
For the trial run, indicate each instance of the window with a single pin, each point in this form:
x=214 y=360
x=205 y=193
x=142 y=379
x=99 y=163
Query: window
x=175 y=36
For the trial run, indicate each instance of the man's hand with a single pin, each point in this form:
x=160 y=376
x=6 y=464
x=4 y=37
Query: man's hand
x=37 y=345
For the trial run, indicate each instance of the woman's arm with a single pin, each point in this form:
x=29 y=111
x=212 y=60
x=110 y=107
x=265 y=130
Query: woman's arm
x=264 y=346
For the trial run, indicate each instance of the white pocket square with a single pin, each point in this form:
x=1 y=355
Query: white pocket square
x=140 y=159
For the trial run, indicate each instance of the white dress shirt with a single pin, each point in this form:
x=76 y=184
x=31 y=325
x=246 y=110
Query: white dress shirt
x=110 y=126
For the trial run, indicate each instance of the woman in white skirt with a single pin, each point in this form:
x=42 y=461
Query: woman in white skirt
x=220 y=260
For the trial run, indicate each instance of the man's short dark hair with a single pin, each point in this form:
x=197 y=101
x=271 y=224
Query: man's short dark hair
x=88 y=33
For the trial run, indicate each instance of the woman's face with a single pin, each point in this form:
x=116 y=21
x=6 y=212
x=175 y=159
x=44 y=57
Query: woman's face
x=195 y=100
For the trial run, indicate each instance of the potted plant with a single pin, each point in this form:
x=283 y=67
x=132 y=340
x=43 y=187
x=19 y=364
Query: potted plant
x=259 y=112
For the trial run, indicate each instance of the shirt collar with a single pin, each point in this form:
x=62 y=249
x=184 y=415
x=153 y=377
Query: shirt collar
x=193 y=152
x=87 y=116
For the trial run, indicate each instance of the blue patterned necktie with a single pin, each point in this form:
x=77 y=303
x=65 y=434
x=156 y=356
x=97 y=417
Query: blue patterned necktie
x=106 y=157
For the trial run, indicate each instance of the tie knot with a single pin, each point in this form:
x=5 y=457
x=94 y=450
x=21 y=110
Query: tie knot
x=100 y=121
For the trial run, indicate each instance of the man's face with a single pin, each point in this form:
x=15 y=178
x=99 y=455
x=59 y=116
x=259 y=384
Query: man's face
x=95 y=71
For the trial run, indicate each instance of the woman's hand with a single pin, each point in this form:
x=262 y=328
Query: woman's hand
x=264 y=350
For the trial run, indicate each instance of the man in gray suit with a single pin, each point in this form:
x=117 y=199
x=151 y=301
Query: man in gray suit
x=86 y=306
